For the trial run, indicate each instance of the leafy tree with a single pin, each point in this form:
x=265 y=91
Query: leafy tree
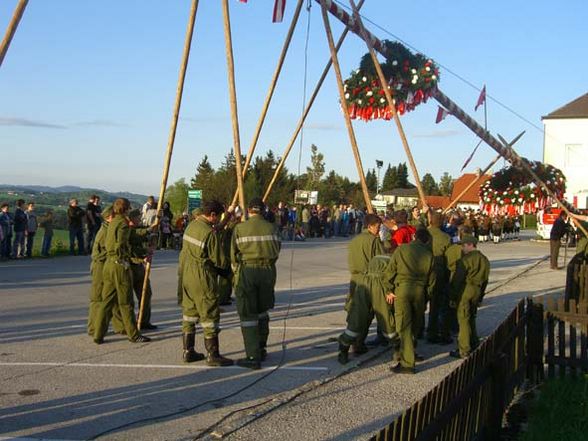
x=429 y=185
x=446 y=184
x=177 y=196
x=371 y=181
x=317 y=169
x=390 y=180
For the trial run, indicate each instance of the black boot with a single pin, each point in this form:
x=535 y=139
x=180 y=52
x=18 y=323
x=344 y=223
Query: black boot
x=343 y=356
x=214 y=358
x=190 y=355
x=249 y=363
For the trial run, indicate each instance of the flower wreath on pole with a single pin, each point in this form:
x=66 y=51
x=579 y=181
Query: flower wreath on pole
x=510 y=187
x=411 y=78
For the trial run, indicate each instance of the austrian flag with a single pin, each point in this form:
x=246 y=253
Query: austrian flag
x=441 y=114
x=279 y=7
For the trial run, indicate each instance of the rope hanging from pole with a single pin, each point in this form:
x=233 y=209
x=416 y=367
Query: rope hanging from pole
x=306 y=112
x=11 y=29
x=171 y=139
x=351 y=132
x=391 y=105
x=233 y=101
x=270 y=92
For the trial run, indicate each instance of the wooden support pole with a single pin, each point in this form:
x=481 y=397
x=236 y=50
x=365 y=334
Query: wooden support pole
x=305 y=113
x=391 y=106
x=171 y=138
x=471 y=184
x=233 y=102
x=11 y=30
x=334 y=58
x=270 y=92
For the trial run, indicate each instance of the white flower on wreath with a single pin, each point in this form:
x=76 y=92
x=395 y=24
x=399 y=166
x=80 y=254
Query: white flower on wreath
x=347 y=96
x=533 y=195
x=516 y=192
x=359 y=102
x=498 y=198
x=370 y=93
x=364 y=79
x=433 y=77
x=345 y=87
x=394 y=62
x=414 y=81
x=428 y=69
x=504 y=192
x=413 y=71
x=520 y=199
x=382 y=100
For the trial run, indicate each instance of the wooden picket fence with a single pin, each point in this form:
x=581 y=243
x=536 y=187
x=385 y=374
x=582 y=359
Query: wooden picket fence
x=567 y=342
x=470 y=402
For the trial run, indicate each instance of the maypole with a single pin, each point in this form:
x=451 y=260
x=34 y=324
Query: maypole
x=348 y=123
x=171 y=139
x=11 y=30
x=391 y=105
x=305 y=113
x=233 y=102
x=270 y=92
x=506 y=151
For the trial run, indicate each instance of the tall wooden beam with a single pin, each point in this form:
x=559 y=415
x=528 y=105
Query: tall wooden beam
x=12 y=26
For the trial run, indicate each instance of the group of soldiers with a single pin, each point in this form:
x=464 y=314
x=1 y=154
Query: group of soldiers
x=218 y=251
x=395 y=288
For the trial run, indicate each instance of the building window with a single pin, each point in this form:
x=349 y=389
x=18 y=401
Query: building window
x=576 y=155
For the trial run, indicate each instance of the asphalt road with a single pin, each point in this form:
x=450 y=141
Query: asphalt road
x=55 y=383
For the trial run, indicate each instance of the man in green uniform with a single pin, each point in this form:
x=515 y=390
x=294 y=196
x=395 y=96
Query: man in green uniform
x=418 y=219
x=412 y=274
x=361 y=250
x=467 y=288
x=96 y=270
x=452 y=255
x=118 y=282
x=255 y=249
x=223 y=262
x=199 y=286
x=140 y=254
x=369 y=300
x=439 y=302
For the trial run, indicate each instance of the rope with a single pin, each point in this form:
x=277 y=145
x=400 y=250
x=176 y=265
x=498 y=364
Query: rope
x=210 y=428
x=304 y=87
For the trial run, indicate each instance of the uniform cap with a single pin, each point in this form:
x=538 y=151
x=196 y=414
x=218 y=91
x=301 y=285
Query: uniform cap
x=469 y=239
x=256 y=204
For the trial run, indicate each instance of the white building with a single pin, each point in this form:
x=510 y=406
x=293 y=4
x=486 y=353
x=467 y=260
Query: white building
x=565 y=146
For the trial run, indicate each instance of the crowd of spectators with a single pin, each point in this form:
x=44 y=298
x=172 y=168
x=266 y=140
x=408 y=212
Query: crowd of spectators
x=18 y=228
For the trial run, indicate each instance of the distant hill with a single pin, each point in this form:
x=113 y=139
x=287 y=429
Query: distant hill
x=58 y=197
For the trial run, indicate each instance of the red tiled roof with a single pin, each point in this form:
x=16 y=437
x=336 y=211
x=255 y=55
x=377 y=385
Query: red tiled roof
x=438 y=201
x=577 y=108
x=472 y=195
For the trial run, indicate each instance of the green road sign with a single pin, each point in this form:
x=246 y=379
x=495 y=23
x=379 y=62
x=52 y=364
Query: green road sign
x=194 y=199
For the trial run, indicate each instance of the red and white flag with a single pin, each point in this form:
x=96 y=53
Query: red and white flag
x=441 y=114
x=279 y=8
x=481 y=98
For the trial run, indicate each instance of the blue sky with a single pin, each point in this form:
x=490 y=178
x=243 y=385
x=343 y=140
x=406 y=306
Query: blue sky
x=87 y=88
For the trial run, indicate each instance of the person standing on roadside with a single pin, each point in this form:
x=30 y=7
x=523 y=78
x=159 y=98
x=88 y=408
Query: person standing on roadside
x=75 y=219
x=93 y=220
x=47 y=225
x=32 y=226
x=558 y=231
x=412 y=274
x=467 y=289
x=20 y=228
x=6 y=226
x=255 y=248
x=117 y=278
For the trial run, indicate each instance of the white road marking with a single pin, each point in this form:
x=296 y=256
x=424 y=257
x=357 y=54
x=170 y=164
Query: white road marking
x=158 y=366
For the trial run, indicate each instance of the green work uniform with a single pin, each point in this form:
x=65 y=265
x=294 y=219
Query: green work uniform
x=369 y=300
x=118 y=281
x=223 y=263
x=411 y=272
x=139 y=252
x=452 y=255
x=255 y=248
x=467 y=288
x=419 y=222
x=198 y=279
x=96 y=272
x=439 y=302
x=577 y=270
x=361 y=250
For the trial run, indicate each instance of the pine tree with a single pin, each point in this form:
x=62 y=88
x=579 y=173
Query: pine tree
x=429 y=185
x=402 y=180
x=204 y=179
x=446 y=184
x=390 y=180
x=371 y=181
x=316 y=171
